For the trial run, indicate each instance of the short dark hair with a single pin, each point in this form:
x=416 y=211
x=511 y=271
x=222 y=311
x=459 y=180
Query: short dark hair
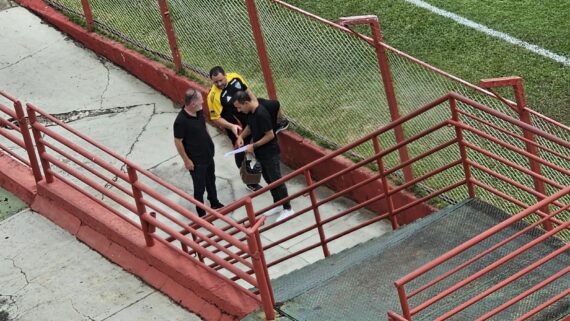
x=190 y=95
x=217 y=70
x=241 y=97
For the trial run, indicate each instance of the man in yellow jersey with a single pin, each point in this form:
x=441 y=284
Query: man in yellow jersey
x=224 y=114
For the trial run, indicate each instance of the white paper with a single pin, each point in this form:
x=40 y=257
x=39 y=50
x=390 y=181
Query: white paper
x=235 y=151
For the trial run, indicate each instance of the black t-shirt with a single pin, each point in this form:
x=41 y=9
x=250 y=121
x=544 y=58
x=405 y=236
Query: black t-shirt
x=229 y=111
x=259 y=123
x=272 y=107
x=197 y=142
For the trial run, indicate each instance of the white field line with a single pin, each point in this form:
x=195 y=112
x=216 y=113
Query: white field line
x=497 y=34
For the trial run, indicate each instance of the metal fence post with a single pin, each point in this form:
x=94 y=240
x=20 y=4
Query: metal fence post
x=382 y=171
x=259 y=265
x=24 y=129
x=386 y=75
x=462 y=150
x=517 y=84
x=39 y=145
x=170 y=34
x=317 y=213
x=261 y=50
x=141 y=208
x=88 y=14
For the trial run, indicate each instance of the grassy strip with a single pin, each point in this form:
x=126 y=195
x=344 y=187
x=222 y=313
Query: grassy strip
x=9 y=204
x=468 y=53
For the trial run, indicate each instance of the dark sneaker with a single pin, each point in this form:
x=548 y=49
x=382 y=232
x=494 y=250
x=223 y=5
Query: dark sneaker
x=200 y=212
x=253 y=187
x=281 y=125
x=216 y=205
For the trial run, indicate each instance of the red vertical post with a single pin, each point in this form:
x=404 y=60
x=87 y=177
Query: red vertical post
x=39 y=145
x=462 y=150
x=170 y=34
x=259 y=265
x=404 y=302
x=23 y=124
x=517 y=84
x=390 y=94
x=317 y=213
x=382 y=171
x=386 y=75
x=141 y=208
x=524 y=116
x=88 y=14
x=261 y=50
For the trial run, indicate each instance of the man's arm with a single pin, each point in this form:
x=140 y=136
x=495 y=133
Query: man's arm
x=246 y=132
x=267 y=137
x=220 y=122
x=180 y=148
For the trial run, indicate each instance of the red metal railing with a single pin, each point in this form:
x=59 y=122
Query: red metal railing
x=376 y=159
x=408 y=312
x=548 y=220
x=386 y=196
x=141 y=205
x=17 y=122
x=236 y=247
x=455 y=103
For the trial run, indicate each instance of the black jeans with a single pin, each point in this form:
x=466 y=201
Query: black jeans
x=204 y=179
x=271 y=171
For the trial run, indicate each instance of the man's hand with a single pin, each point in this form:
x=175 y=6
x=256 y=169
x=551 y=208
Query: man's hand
x=189 y=165
x=239 y=141
x=236 y=129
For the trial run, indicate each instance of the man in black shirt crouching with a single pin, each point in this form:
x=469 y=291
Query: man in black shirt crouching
x=196 y=148
x=263 y=143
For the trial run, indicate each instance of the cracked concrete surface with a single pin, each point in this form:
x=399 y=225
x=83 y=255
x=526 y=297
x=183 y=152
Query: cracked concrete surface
x=35 y=63
x=47 y=275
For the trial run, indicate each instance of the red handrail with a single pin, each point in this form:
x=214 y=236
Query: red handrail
x=249 y=246
x=511 y=220
x=473 y=241
x=137 y=195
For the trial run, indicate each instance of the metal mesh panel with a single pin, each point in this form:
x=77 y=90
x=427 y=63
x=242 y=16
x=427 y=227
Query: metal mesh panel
x=213 y=33
x=328 y=80
x=137 y=22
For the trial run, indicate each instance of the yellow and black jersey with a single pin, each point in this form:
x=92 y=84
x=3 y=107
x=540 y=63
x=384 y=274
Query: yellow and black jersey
x=220 y=101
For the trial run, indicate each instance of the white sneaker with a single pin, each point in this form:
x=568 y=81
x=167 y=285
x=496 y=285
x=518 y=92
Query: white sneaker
x=285 y=214
x=273 y=211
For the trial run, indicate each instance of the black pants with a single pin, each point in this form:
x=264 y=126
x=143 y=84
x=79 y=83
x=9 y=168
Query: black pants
x=204 y=179
x=239 y=156
x=271 y=171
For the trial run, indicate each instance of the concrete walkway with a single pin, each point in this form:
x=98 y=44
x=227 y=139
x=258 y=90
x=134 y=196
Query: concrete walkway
x=46 y=274
x=46 y=269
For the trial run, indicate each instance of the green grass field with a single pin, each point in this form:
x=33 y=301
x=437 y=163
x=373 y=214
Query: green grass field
x=470 y=54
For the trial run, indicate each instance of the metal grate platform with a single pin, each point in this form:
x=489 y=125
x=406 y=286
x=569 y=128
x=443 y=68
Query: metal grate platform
x=357 y=284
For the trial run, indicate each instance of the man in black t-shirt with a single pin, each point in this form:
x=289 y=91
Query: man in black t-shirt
x=263 y=144
x=224 y=114
x=196 y=148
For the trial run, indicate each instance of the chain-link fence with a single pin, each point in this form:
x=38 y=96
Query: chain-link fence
x=329 y=82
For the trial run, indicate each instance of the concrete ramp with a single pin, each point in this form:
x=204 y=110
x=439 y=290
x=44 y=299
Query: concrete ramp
x=357 y=284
